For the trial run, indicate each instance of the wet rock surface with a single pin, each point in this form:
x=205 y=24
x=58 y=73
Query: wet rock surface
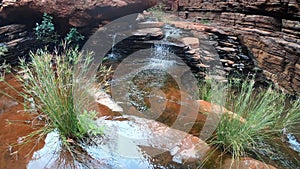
x=203 y=48
x=135 y=143
x=15 y=124
x=131 y=140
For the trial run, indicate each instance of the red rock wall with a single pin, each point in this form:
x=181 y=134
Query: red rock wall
x=269 y=28
x=76 y=13
x=18 y=18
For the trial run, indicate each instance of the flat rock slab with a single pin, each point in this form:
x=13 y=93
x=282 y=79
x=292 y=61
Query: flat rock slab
x=152 y=32
x=191 y=41
x=150 y=25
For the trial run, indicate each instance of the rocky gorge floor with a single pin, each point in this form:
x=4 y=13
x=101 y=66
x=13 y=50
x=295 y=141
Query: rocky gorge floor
x=135 y=143
x=236 y=45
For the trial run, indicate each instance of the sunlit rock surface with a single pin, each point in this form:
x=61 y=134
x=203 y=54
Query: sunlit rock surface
x=129 y=142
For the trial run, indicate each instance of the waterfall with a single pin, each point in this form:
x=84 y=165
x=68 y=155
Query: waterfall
x=114 y=54
x=114 y=42
x=161 y=57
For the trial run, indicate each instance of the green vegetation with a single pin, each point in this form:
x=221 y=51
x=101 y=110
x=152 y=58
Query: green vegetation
x=88 y=125
x=212 y=91
x=158 y=11
x=73 y=36
x=205 y=90
x=46 y=33
x=205 y=22
x=3 y=50
x=54 y=86
x=104 y=75
x=51 y=82
x=265 y=113
x=4 y=67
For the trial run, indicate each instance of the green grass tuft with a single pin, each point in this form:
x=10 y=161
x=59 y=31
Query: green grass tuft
x=157 y=11
x=59 y=94
x=266 y=116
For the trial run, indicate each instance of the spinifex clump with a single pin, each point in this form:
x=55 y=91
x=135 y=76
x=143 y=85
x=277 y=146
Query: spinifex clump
x=60 y=94
x=266 y=116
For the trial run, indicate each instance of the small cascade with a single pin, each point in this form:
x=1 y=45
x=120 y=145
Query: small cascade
x=161 y=57
x=172 y=32
x=114 y=54
x=150 y=74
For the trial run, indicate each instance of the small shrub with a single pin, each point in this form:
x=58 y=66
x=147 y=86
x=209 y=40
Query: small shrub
x=212 y=91
x=205 y=92
x=45 y=31
x=73 y=36
x=87 y=124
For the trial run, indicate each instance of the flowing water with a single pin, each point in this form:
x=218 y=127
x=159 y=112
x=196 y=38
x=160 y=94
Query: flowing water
x=294 y=143
x=135 y=143
x=114 y=53
x=151 y=132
